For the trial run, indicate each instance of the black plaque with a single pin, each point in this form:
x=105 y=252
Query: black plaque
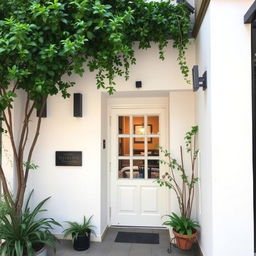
x=68 y=158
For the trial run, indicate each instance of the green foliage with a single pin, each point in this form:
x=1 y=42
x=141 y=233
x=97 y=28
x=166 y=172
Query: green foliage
x=4 y=208
x=22 y=233
x=75 y=229
x=177 y=172
x=182 y=225
x=40 y=41
x=30 y=166
x=188 y=139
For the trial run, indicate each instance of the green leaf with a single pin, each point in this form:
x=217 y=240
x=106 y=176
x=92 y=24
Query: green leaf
x=90 y=35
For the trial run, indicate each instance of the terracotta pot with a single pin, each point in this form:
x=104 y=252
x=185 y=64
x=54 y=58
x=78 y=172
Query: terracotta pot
x=185 y=242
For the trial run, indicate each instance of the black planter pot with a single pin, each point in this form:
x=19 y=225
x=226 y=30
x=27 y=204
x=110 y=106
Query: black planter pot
x=82 y=242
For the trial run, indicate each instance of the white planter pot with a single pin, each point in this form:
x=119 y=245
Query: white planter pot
x=42 y=252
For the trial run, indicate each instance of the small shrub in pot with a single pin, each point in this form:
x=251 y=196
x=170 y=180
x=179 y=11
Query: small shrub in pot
x=184 y=230
x=80 y=233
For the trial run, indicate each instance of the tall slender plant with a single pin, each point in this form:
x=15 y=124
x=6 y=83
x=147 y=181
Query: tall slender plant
x=178 y=177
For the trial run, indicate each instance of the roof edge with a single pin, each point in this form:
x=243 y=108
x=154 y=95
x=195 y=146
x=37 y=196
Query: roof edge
x=250 y=14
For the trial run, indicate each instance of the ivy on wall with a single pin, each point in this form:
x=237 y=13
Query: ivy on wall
x=41 y=40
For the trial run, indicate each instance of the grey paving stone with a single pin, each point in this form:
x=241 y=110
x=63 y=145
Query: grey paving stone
x=108 y=247
x=120 y=249
x=158 y=250
x=140 y=249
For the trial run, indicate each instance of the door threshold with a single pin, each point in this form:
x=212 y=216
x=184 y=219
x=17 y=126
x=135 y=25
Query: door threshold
x=138 y=227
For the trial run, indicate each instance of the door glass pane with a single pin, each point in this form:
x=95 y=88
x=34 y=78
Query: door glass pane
x=153 y=146
x=153 y=125
x=138 y=125
x=124 y=124
x=153 y=169
x=124 y=171
x=139 y=146
x=124 y=147
x=138 y=169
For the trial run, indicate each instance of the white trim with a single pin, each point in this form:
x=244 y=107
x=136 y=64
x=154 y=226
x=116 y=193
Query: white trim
x=138 y=106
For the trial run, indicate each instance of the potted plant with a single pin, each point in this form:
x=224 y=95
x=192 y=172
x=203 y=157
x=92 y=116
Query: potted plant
x=26 y=234
x=80 y=233
x=183 y=184
x=184 y=230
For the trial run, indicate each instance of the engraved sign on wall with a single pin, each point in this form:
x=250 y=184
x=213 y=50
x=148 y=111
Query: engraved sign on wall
x=68 y=158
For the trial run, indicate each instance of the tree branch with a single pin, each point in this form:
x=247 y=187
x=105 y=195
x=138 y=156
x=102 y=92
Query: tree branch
x=22 y=144
x=35 y=137
x=7 y=194
x=15 y=86
x=19 y=202
x=184 y=190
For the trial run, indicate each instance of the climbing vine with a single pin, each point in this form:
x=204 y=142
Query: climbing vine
x=43 y=40
x=100 y=33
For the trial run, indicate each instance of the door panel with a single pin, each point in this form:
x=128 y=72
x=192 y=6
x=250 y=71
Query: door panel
x=126 y=199
x=149 y=200
x=136 y=199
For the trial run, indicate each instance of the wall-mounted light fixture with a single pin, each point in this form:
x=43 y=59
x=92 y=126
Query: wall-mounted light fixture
x=78 y=105
x=187 y=4
x=199 y=81
x=138 y=84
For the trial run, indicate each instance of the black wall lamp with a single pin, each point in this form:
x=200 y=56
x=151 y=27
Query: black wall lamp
x=138 y=84
x=78 y=105
x=42 y=110
x=187 y=4
x=199 y=81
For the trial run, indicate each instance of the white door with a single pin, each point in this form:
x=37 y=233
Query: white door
x=136 y=199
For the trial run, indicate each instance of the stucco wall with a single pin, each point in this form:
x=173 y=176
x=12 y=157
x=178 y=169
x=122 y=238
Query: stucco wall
x=224 y=117
x=203 y=116
x=182 y=117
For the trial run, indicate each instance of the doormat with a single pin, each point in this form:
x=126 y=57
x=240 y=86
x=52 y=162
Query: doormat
x=137 y=238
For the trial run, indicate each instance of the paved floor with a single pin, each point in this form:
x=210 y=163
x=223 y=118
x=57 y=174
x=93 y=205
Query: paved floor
x=109 y=248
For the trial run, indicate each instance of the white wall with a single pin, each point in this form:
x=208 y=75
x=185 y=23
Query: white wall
x=224 y=117
x=75 y=191
x=7 y=160
x=104 y=163
x=181 y=118
x=79 y=191
x=203 y=115
x=155 y=74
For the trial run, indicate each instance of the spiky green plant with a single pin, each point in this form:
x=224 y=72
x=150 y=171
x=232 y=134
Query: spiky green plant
x=181 y=224
x=4 y=207
x=22 y=234
x=75 y=229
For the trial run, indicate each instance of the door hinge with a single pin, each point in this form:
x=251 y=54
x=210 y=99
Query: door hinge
x=110 y=212
x=109 y=166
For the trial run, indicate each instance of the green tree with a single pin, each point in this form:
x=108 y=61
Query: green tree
x=41 y=40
